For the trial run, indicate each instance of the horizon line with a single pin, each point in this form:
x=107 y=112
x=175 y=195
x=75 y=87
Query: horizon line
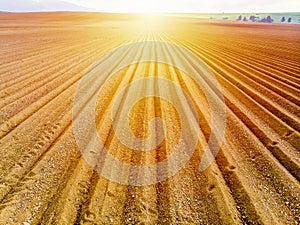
x=131 y=12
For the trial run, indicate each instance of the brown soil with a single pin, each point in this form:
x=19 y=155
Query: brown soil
x=43 y=176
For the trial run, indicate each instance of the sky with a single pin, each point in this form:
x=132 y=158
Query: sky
x=149 y=6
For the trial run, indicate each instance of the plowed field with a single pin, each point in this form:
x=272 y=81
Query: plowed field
x=47 y=178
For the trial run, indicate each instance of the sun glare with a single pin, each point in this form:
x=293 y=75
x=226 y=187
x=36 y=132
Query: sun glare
x=144 y=7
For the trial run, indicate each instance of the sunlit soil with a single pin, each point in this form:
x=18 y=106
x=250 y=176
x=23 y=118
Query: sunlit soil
x=44 y=178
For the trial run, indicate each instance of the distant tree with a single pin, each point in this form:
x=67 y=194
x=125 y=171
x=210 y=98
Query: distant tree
x=289 y=20
x=282 y=19
x=239 y=18
x=245 y=18
x=252 y=18
x=269 y=19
